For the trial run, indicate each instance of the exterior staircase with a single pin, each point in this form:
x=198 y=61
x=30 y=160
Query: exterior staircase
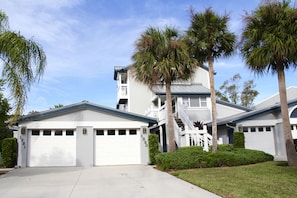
x=180 y=123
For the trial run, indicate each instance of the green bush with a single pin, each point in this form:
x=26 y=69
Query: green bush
x=153 y=142
x=239 y=140
x=9 y=152
x=223 y=147
x=195 y=157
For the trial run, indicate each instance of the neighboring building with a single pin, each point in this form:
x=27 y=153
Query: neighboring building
x=83 y=134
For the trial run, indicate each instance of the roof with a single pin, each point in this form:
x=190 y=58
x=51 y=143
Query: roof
x=233 y=105
x=254 y=113
x=119 y=69
x=183 y=89
x=85 y=105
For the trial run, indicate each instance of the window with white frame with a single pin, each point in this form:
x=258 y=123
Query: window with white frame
x=198 y=101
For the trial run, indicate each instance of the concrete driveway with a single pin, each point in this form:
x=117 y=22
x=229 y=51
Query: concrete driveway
x=110 y=181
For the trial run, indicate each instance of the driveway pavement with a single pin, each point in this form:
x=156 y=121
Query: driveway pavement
x=102 y=182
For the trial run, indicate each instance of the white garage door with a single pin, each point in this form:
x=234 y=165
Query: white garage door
x=117 y=147
x=52 y=148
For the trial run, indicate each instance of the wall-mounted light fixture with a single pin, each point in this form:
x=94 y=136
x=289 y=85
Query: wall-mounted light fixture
x=23 y=130
x=84 y=131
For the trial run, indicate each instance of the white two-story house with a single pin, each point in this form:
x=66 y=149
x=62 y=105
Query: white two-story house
x=191 y=103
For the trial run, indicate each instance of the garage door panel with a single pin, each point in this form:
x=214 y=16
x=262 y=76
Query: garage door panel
x=52 y=150
x=117 y=149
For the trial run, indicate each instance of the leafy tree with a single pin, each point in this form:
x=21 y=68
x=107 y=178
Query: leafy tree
x=269 y=44
x=23 y=62
x=210 y=39
x=57 y=106
x=162 y=57
x=230 y=91
x=4 y=117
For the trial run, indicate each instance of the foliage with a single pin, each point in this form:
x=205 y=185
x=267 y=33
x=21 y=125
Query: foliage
x=239 y=140
x=57 y=106
x=224 y=147
x=195 y=157
x=268 y=44
x=161 y=57
x=198 y=124
x=4 y=117
x=266 y=179
x=9 y=152
x=153 y=144
x=23 y=62
x=230 y=91
x=208 y=39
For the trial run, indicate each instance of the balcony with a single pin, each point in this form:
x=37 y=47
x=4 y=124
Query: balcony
x=122 y=93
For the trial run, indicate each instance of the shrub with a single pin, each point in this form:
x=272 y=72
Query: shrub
x=195 y=157
x=153 y=142
x=239 y=140
x=9 y=152
x=223 y=147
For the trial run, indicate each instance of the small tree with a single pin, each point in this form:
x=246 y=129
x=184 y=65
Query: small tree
x=9 y=152
x=232 y=91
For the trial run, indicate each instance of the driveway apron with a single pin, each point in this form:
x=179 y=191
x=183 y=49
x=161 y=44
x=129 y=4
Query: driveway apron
x=102 y=182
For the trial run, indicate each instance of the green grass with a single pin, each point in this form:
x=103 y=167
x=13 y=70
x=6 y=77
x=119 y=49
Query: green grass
x=268 y=179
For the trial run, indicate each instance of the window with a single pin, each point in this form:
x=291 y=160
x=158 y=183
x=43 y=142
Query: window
x=99 y=132
x=111 y=132
x=268 y=129
x=69 y=132
x=253 y=129
x=47 y=132
x=245 y=129
x=260 y=129
x=132 y=132
x=35 y=132
x=122 y=132
x=194 y=101
x=58 y=132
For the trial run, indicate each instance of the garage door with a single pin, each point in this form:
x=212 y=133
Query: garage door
x=52 y=148
x=117 y=147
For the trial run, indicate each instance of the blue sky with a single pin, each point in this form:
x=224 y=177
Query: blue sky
x=85 y=39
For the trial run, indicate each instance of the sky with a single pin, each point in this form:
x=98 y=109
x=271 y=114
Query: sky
x=84 y=40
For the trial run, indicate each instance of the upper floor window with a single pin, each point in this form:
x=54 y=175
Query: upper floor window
x=195 y=101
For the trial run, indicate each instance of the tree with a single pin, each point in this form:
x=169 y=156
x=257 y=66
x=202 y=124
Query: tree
x=162 y=57
x=57 y=106
x=268 y=44
x=4 y=117
x=231 y=91
x=210 y=39
x=23 y=62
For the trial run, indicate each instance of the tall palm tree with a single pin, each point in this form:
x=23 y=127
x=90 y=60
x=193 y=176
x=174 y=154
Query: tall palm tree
x=269 y=44
x=210 y=39
x=162 y=57
x=23 y=62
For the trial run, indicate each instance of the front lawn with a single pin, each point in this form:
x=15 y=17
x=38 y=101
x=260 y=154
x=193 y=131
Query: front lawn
x=268 y=179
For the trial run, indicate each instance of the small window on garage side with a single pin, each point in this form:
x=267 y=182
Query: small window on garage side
x=111 y=132
x=100 y=132
x=47 y=132
x=122 y=132
x=58 y=132
x=132 y=132
x=69 y=132
x=35 y=132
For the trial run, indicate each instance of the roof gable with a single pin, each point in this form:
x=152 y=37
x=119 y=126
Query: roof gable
x=69 y=109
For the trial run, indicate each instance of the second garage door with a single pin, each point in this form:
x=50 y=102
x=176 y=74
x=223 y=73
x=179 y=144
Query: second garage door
x=117 y=147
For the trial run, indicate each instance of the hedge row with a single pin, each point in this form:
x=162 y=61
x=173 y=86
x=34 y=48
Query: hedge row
x=195 y=157
x=9 y=152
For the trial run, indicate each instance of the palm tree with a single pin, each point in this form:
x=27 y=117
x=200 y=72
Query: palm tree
x=268 y=44
x=23 y=62
x=162 y=57
x=210 y=39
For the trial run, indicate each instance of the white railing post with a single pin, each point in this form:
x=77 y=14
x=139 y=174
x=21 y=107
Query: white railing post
x=187 y=136
x=205 y=135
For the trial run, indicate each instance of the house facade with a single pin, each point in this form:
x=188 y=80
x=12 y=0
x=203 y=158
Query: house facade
x=83 y=134
x=261 y=125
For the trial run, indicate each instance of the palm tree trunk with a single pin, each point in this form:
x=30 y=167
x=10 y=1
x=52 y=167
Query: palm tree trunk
x=213 y=106
x=290 y=148
x=170 y=128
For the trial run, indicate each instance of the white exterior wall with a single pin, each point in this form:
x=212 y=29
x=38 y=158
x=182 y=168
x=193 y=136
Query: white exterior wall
x=77 y=121
x=140 y=96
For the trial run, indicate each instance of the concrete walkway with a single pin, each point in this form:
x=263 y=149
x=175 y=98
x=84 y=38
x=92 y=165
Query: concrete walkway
x=106 y=182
